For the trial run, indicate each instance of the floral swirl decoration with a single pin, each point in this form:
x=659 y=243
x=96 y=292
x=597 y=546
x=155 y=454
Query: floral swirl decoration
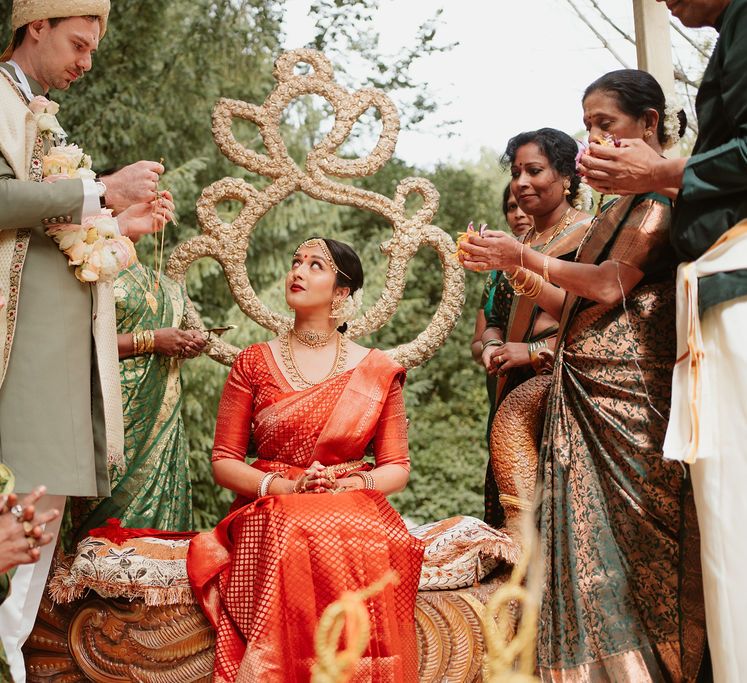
x=228 y=242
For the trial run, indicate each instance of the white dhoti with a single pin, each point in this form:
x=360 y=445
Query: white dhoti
x=18 y=612
x=708 y=429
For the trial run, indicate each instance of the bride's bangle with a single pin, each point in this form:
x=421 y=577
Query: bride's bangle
x=264 y=484
x=368 y=480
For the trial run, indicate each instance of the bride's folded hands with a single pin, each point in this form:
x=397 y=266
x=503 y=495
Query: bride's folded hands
x=495 y=250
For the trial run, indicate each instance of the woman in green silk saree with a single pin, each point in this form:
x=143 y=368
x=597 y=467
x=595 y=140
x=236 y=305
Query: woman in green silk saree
x=155 y=490
x=622 y=596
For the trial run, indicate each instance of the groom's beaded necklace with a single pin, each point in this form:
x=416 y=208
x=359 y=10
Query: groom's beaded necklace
x=297 y=377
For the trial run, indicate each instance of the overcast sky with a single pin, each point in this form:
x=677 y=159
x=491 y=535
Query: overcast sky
x=518 y=66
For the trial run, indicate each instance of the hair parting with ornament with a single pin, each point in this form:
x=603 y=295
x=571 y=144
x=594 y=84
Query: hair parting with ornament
x=349 y=273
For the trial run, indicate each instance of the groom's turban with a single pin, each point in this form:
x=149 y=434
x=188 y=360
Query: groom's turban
x=26 y=11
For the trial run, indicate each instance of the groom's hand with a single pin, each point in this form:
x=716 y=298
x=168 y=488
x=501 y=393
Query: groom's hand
x=133 y=184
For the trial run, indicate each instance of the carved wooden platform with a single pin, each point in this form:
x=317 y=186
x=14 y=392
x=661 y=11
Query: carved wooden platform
x=111 y=641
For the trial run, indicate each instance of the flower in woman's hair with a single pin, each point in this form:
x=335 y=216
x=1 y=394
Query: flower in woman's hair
x=672 y=109
x=584 y=197
x=350 y=306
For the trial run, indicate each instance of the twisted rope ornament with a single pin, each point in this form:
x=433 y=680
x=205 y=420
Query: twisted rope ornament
x=351 y=614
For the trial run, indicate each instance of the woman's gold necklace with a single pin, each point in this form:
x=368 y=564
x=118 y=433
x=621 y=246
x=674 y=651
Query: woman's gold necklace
x=149 y=297
x=297 y=377
x=554 y=230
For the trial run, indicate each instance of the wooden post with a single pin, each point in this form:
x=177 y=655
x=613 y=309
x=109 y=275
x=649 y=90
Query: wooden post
x=653 y=42
x=654 y=46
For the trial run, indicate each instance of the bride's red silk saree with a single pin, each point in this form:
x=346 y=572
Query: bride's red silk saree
x=268 y=570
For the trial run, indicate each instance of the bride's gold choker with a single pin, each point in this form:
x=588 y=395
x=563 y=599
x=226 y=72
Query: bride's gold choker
x=314 y=339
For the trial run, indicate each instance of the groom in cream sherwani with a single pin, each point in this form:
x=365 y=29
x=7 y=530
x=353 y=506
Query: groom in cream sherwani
x=60 y=401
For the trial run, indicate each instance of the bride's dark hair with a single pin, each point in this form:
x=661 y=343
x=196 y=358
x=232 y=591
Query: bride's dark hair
x=350 y=272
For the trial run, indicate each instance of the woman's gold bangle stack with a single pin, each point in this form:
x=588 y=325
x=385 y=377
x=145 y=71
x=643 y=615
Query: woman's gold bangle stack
x=143 y=341
x=530 y=286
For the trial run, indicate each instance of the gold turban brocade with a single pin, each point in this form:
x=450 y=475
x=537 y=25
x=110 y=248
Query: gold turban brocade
x=26 y=11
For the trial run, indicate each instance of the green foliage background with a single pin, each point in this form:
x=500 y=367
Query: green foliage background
x=159 y=70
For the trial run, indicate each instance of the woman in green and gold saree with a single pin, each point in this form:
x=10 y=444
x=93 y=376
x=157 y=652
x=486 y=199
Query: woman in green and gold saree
x=154 y=491
x=622 y=596
x=545 y=184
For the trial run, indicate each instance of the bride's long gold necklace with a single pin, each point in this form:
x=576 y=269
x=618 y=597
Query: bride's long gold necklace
x=289 y=360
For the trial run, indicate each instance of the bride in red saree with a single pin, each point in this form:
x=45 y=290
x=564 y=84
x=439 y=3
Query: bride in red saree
x=311 y=519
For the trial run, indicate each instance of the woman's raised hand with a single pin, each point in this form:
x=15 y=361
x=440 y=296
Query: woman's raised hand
x=21 y=532
x=495 y=250
x=630 y=168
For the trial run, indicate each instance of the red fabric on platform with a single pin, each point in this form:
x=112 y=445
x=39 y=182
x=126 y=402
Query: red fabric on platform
x=116 y=533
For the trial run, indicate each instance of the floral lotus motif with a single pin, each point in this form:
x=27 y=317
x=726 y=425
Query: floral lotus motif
x=228 y=242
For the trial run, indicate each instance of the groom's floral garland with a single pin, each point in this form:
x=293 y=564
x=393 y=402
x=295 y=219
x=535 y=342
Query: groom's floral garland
x=96 y=249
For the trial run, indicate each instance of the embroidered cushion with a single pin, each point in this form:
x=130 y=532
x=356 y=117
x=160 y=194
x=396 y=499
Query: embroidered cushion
x=459 y=552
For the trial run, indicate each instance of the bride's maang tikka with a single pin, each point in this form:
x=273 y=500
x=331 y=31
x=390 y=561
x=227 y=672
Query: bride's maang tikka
x=318 y=242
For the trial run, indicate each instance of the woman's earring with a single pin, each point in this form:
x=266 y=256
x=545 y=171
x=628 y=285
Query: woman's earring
x=567 y=187
x=336 y=308
x=647 y=134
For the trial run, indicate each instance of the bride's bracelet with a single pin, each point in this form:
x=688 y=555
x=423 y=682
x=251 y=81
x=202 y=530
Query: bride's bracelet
x=368 y=480
x=264 y=484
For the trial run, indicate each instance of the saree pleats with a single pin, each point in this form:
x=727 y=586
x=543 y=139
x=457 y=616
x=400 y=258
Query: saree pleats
x=613 y=516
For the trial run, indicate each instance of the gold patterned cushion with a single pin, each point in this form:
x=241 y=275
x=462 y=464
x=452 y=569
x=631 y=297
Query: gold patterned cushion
x=459 y=552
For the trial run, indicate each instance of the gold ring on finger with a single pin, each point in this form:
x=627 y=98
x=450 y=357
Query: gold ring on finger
x=28 y=527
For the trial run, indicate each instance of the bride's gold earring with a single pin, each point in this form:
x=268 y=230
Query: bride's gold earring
x=336 y=308
x=648 y=134
x=567 y=187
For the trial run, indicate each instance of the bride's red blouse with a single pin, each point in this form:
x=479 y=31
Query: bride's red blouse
x=256 y=384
